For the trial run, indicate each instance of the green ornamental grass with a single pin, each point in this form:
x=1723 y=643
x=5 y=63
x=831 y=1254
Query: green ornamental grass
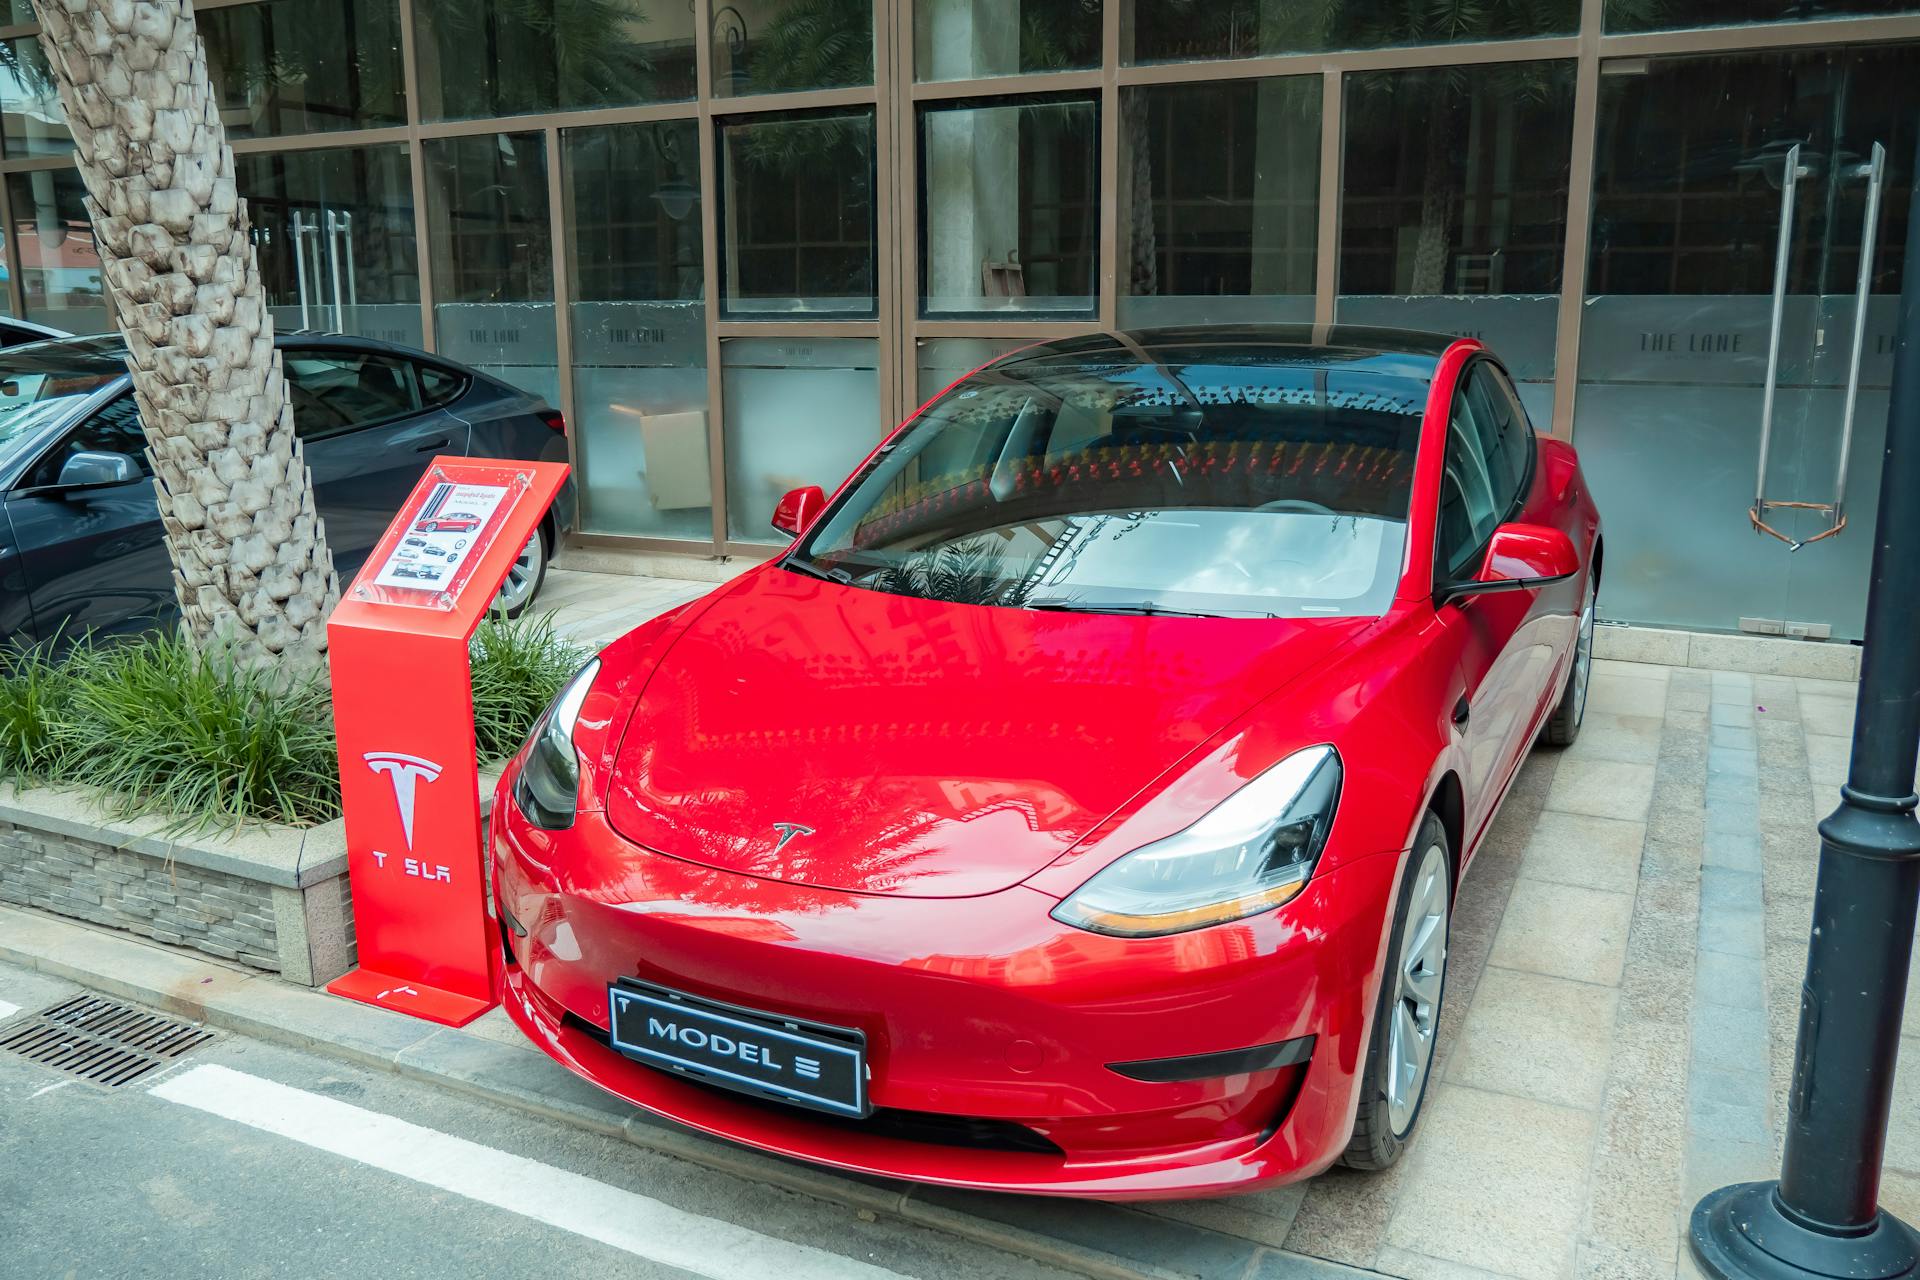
x=164 y=729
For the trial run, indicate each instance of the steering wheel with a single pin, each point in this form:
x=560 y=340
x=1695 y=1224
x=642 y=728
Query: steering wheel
x=1307 y=505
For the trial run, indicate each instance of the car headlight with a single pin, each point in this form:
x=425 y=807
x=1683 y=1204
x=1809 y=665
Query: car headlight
x=548 y=788
x=1250 y=853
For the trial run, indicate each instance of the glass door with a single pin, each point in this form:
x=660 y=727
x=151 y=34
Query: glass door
x=334 y=230
x=1736 y=345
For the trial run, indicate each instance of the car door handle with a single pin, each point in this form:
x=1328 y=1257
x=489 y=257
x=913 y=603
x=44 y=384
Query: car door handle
x=434 y=445
x=1461 y=710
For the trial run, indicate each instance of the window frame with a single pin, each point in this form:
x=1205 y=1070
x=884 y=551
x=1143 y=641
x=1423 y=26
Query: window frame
x=27 y=486
x=288 y=353
x=1443 y=576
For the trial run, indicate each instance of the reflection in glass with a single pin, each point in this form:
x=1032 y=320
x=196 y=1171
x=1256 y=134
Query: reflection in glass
x=492 y=258
x=1676 y=327
x=1686 y=194
x=1220 y=206
x=639 y=329
x=1655 y=15
x=942 y=360
x=303 y=66
x=482 y=58
x=797 y=413
x=1454 y=211
x=1009 y=208
x=1181 y=30
x=1195 y=479
x=780 y=46
x=969 y=39
x=334 y=234
x=797 y=229
x=30 y=112
x=59 y=266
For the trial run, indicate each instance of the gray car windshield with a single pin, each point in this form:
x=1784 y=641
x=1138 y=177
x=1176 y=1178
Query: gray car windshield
x=1214 y=481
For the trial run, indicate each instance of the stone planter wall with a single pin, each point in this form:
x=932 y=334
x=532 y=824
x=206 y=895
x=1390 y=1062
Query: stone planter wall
x=272 y=898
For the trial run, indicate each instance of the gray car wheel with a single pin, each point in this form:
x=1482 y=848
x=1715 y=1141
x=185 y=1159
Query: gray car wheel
x=524 y=578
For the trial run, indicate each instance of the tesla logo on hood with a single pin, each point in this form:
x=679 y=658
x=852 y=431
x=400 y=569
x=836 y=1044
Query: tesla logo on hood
x=788 y=831
x=404 y=772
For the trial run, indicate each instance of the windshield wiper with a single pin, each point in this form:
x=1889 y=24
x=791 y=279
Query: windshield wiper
x=1143 y=608
x=813 y=570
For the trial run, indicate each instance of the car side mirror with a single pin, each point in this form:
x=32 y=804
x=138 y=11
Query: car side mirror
x=1521 y=557
x=97 y=470
x=798 y=509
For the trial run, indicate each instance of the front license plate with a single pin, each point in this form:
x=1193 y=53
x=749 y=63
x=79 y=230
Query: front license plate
x=807 y=1064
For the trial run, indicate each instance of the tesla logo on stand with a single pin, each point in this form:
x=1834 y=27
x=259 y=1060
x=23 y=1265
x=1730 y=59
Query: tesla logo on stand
x=404 y=772
x=787 y=831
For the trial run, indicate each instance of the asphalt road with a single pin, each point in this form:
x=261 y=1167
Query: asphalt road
x=245 y=1159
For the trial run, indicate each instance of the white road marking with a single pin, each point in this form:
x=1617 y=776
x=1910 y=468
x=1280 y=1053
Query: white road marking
x=48 y=1088
x=641 y=1226
x=7 y=1010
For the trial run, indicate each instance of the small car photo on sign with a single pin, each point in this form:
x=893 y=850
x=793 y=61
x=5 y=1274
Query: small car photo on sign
x=435 y=541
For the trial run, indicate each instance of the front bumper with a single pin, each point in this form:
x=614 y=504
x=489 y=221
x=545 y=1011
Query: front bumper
x=981 y=1013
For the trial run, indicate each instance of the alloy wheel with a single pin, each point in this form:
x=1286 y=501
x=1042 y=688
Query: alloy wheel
x=1583 y=659
x=523 y=577
x=1414 y=1017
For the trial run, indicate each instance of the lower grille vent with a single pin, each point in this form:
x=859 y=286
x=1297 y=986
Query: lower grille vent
x=909 y=1126
x=101 y=1040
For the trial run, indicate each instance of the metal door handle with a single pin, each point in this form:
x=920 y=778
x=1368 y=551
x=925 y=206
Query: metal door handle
x=1875 y=172
x=1782 y=253
x=434 y=445
x=300 y=268
x=1870 y=227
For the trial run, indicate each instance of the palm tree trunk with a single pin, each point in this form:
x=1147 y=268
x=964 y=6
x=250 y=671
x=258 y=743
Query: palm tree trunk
x=250 y=562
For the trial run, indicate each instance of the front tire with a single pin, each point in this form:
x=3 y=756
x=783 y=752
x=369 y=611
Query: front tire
x=1406 y=1019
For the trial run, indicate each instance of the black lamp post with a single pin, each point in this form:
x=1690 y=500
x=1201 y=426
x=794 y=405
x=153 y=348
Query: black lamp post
x=1822 y=1218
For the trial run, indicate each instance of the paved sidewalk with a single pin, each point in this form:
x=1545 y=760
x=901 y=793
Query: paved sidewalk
x=1616 y=1036
x=594 y=608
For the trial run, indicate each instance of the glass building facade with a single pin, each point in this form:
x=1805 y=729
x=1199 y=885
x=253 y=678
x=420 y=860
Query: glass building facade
x=736 y=242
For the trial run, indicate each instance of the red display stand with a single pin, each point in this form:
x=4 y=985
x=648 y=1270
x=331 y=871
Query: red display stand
x=403 y=715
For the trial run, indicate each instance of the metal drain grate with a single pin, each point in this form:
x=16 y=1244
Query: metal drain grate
x=101 y=1040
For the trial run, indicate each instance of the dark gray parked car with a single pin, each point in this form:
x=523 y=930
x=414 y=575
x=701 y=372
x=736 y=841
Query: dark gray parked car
x=80 y=540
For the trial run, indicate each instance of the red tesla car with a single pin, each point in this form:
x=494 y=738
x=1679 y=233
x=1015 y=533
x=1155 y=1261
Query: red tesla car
x=1078 y=804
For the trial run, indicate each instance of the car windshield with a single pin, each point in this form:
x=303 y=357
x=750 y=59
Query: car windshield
x=42 y=381
x=1219 y=481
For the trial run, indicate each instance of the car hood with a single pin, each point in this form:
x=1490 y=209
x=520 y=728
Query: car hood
x=850 y=739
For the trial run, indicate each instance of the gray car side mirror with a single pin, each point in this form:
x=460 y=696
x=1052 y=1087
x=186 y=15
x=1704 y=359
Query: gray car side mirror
x=91 y=470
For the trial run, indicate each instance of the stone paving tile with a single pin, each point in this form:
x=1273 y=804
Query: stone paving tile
x=1827 y=756
x=1604 y=789
x=1537 y=934
x=1832 y=716
x=1579 y=849
x=1607 y=736
x=1501 y=1184
x=1903 y=1132
x=1628 y=695
x=1633 y=670
x=1738 y=850
x=1538 y=1037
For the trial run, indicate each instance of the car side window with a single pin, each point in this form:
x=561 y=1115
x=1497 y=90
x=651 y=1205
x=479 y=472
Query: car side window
x=438 y=386
x=1507 y=437
x=1470 y=501
x=336 y=391
x=114 y=429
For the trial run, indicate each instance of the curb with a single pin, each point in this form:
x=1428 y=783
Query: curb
x=505 y=1070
